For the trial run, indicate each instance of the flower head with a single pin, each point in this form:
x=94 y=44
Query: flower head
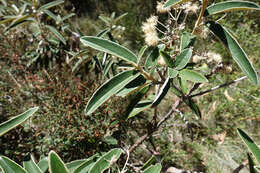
x=149 y=29
x=161 y=9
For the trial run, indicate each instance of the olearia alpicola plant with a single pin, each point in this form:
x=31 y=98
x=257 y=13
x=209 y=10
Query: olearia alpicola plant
x=172 y=63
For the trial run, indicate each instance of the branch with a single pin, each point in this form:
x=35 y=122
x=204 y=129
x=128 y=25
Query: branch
x=156 y=127
x=217 y=87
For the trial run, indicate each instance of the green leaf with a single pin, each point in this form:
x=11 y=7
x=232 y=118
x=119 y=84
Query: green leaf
x=154 y=169
x=148 y=163
x=110 y=88
x=50 y=5
x=56 y=33
x=257 y=168
x=163 y=91
x=167 y=58
x=49 y=13
x=151 y=59
x=131 y=86
x=73 y=165
x=12 y=123
x=134 y=101
x=187 y=40
x=250 y=144
x=141 y=52
x=228 y=6
x=141 y=106
x=182 y=59
x=192 y=76
x=251 y=164
x=172 y=73
x=170 y=3
x=183 y=84
x=85 y=165
x=109 y=47
x=43 y=164
x=236 y=51
x=56 y=165
x=9 y=166
x=31 y=166
x=106 y=161
x=194 y=107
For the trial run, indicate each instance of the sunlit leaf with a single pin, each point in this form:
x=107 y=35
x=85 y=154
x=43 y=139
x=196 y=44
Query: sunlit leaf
x=236 y=51
x=182 y=59
x=152 y=58
x=148 y=163
x=50 y=5
x=170 y=3
x=109 y=47
x=250 y=144
x=139 y=107
x=167 y=58
x=73 y=165
x=163 y=91
x=192 y=76
x=154 y=169
x=12 y=123
x=110 y=88
x=172 y=73
x=43 y=164
x=57 y=34
x=187 y=40
x=56 y=165
x=228 y=6
x=106 y=161
x=30 y=165
x=9 y=166
x=85 y=165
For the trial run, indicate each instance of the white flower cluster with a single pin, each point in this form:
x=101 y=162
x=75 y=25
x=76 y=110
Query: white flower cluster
x=149 y=29
x=189 y=7
x=209 y=57
x=161 y=9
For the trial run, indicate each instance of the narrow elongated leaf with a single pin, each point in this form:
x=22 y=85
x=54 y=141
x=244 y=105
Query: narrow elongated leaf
x=109 y=47
x=134 y=101
x=192 y=76
x=182 y=59
x=106 y=161
x=12 y=123
x=183 y=84
x=141 y=52
x=187 y=40
x=257 y=168
x=9 y=166
x=152 y=58
x=50 y=5
x=52 y=15
x=194 y=107
x=72 y=166
x=56 y=33
x=148 y=163
x=163 y=91
x=154 y=169
x=251 y=164
x=56 y=165
x=31 y=166
x=167 y=59
x=84 y=167
x=131 y=86
x=141 y=106
x=43 y=164
x=110 y=88
x=170 y=3
x=250 y=144
x=230 y=6
x=172 y=73
x=236 y=51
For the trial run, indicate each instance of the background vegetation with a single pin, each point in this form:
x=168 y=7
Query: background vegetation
x=34 y=74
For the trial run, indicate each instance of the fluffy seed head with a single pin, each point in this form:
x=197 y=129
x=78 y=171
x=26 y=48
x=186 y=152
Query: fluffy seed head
x=161 y=9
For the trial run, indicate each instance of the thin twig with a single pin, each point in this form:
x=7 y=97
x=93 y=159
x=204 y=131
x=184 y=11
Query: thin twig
x=217 y=87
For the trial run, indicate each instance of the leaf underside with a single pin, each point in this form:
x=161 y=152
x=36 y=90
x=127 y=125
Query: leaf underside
x=236 y=51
